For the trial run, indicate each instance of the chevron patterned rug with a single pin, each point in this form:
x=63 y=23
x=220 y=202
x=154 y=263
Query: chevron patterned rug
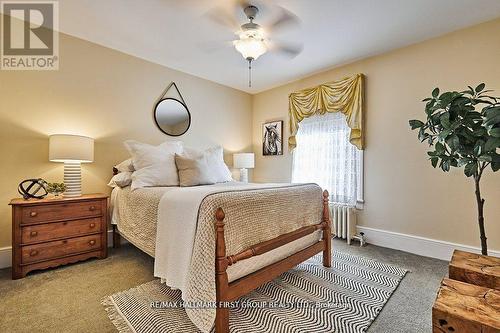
x=309 y=298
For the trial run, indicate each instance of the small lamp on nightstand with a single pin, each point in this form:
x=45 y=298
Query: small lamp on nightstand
x=72 y=150
x=244 y=161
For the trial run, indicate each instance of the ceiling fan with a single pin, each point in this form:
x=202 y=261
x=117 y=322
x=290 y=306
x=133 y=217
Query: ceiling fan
x=253 y=40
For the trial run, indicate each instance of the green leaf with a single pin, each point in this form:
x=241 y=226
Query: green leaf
x=492 y=144
x=453 y=141
x=416 y=124
x=444 y=134
x=478 y=148
x=445 y=120
x=480 y=87
x=495 y=132
x=470 y=169
x=485 y=158
x=439 y=148
x=434 y=161
x=435 y=92
x=495 y=166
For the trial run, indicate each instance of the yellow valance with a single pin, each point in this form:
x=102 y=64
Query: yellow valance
x=344 y=96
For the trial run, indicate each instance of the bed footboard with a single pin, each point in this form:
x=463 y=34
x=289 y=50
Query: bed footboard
x=227 y=292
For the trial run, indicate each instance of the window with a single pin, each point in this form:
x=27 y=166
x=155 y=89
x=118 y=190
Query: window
x=325 y=156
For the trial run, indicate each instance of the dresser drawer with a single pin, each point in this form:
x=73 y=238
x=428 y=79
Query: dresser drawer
x=45 y=251
x=62 y=211
x=49 y=231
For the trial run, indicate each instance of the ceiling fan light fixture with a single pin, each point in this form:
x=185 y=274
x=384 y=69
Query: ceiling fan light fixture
x=251 y=44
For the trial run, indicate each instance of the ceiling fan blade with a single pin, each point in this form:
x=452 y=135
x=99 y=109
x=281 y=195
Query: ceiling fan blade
x=212 y=46
x=220 y=16
x=288 y=49
x=285 y=19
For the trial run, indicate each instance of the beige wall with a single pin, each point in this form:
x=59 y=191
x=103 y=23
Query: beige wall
x=403 y=193
x=109 y=96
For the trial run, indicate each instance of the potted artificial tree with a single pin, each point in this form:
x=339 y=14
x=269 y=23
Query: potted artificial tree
x=463 y=130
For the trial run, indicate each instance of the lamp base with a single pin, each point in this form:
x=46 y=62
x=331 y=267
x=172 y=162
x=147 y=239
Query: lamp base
x=72 y=179
x=244 y=175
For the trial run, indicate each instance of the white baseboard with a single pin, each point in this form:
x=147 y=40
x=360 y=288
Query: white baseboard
x=6 y=252
x=426 y=247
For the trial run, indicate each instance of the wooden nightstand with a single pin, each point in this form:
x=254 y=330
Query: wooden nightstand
x=57 y=231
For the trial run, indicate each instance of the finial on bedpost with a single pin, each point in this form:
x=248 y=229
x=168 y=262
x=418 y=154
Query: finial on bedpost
x=220 y=243
x=220 y=215
x=221 y=280
x=327 y=231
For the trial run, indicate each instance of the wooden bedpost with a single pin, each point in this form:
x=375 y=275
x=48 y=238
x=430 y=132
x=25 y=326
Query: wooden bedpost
x=221 y=280
x=116 y=237
x=327 y=231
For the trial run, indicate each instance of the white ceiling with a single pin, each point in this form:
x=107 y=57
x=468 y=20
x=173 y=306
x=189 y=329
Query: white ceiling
x=333 y=32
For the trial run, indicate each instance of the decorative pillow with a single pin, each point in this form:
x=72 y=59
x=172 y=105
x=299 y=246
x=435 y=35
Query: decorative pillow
x=193 y=171
x=125 y=166
x=215 y=161
x=122 y=179
x=154 y=165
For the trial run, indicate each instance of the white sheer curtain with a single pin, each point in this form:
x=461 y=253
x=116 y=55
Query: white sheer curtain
x=324 y=156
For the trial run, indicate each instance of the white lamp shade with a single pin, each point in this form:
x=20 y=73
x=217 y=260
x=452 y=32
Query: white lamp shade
x=244 y=160
x=71 y=148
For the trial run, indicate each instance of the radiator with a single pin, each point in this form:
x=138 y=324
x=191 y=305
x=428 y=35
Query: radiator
x=343 y=221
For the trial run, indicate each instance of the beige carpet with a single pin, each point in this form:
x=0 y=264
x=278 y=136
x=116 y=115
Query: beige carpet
x=67 y=299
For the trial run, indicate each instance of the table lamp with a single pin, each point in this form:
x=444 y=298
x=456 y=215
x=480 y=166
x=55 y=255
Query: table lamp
x=72 y=150
x=244 y=161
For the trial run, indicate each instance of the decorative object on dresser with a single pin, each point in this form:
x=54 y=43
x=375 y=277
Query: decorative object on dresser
x=171 y=115
x=33 y=188
x=244 y=161
x=52 y=232
x=72 y=150
x=272 y=138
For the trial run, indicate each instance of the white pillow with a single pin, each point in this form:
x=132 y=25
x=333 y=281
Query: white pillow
x=154 y=165
x=125 y=166
x=122 y=179
x=215 y=161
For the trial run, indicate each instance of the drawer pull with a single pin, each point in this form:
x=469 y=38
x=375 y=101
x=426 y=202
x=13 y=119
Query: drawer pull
x=92 y=225
x=33 y=253
x=92 y=208
x=92 y=242
x=33 y=233
x=33 y=214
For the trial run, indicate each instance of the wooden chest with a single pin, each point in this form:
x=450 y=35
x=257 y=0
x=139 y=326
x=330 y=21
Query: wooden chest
x=52 y=232
x=475 y=269
x=465 y=308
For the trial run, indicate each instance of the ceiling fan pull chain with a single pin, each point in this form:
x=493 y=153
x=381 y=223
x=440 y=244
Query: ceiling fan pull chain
x=250 y=72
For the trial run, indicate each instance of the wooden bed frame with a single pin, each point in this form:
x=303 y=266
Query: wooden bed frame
x=230 y=291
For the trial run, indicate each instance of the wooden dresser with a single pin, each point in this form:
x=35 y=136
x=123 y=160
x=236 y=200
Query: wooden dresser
x=57 y=231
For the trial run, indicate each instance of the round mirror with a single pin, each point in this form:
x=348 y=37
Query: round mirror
x=172 y=116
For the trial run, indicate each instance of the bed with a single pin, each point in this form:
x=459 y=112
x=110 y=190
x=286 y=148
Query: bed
x=218 y=242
